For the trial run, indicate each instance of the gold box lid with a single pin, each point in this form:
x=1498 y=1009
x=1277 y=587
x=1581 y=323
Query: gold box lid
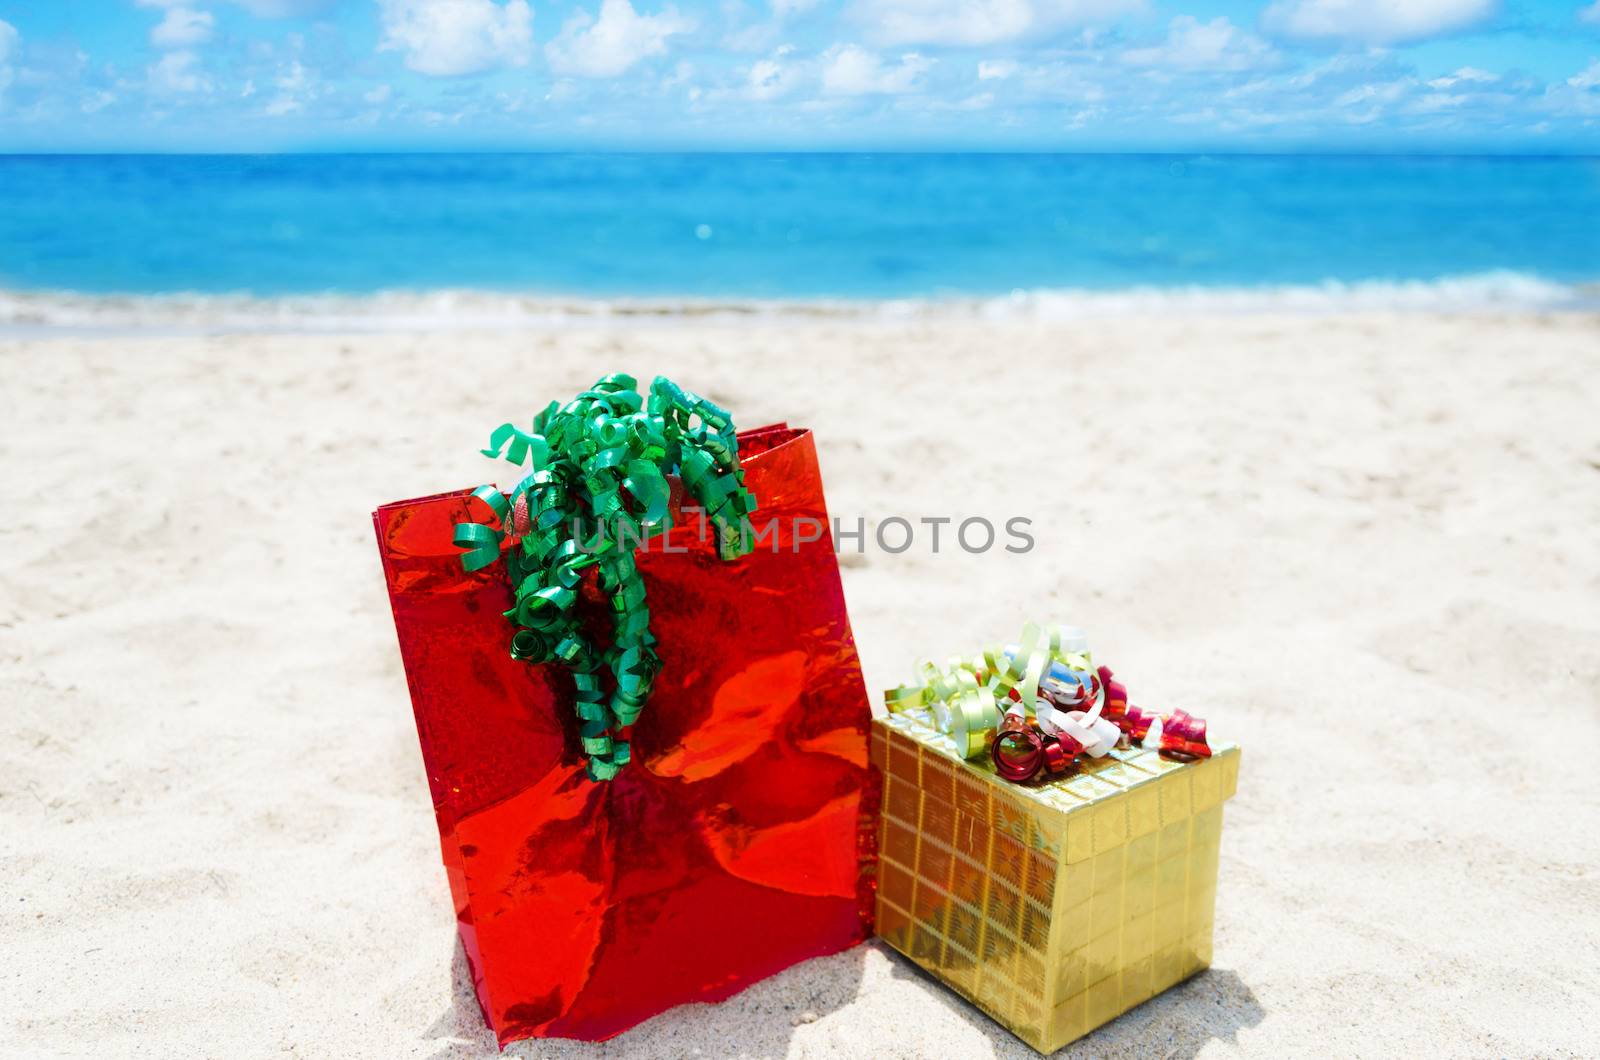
x=1094 y=780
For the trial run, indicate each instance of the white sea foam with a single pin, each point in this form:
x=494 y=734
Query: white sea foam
x=24 y=312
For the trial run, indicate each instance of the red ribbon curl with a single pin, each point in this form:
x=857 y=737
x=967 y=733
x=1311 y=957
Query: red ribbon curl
x=1184 y=734
x=1021 y=750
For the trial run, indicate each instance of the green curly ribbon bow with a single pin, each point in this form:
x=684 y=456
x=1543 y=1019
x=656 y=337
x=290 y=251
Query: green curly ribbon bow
x=597 y=481
x=969 y=696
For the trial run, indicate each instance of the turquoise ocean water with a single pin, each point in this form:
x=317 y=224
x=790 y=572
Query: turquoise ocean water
x=552 y=229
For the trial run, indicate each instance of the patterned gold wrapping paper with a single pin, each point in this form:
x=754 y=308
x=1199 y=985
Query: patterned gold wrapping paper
x=1053 y=907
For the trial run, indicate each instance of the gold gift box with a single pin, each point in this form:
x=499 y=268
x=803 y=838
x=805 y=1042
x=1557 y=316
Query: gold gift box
x=1055 y=907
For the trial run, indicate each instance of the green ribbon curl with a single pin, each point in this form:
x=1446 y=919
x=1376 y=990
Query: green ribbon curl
x=597 y=490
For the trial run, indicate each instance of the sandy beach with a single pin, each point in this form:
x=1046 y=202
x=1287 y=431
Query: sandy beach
x=1362 y=546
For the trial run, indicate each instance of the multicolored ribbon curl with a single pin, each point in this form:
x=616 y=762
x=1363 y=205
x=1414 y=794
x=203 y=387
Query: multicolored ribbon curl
x=968 y=696
x=1038 y=704
x=596 y=489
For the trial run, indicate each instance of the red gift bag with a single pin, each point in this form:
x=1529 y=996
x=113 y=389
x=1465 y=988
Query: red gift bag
x=740 y=838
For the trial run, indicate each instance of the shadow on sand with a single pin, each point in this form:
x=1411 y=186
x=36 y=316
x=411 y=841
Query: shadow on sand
x=1211 y=1007
x=1174 y=1025
x=778 y=1005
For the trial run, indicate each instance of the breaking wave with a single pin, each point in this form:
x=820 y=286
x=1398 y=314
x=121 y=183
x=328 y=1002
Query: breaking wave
x=23 y=312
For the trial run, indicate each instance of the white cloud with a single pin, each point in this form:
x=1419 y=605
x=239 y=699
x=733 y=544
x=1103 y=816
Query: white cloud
x=1576 y=97
x=379 y=94
x=766 y=79
x=996 y=70
x=295 y=85
x=97 y=100
x=1195 y=45
x=1467 y=74
x=850 y=70
x=977 y=22
x=609 y=45
x=178 y=73
x=449 y=38
x=1373 y=21
x=785 y=8
x=1590 y=13
x=182 y=27
x=681 y=74
x=774 y=76
x=1376 y=92
x=1436 y=102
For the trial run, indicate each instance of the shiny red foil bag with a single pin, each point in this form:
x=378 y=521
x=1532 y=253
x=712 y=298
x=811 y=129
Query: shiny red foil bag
x=740 y=838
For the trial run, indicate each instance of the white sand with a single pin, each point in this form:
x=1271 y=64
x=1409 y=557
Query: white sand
x=1365 y=547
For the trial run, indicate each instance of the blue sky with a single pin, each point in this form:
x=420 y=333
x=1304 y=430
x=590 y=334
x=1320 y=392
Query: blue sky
x=1384 y=75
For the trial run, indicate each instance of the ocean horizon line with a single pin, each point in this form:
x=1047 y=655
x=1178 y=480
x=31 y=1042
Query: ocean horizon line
x=911 y=150
x=455 y=308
